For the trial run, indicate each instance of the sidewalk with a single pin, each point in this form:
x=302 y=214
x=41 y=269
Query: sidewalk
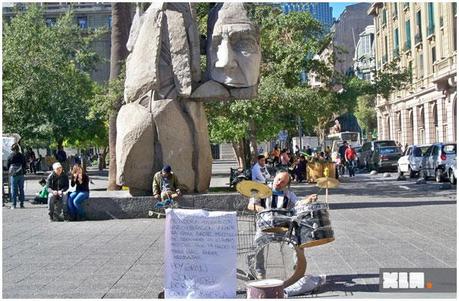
x=377 y=224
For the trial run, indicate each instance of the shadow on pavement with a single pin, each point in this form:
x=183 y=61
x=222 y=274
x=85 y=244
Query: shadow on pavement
x=387 y=204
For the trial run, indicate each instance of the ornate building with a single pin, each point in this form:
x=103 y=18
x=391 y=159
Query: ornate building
x=423 y=37
x=364 y=58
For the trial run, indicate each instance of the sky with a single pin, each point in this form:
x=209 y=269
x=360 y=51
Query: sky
x=338 y=8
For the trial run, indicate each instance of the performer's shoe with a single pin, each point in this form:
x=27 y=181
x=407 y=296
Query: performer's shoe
x=261 y=276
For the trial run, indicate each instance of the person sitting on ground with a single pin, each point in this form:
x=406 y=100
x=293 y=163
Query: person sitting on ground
x=282 y=198
x=259 y=172
x=42 y=196
x=76 y=198
x=58 y=184
x=166 y=184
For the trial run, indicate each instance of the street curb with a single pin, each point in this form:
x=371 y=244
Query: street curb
x=125 y=207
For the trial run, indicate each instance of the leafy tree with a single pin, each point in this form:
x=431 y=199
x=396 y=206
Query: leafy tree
x=47 y=89
x=366 y=114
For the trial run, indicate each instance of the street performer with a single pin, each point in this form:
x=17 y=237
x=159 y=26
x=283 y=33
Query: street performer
x=281 y=197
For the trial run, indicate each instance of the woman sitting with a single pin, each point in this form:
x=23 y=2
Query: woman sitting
x=81 y=193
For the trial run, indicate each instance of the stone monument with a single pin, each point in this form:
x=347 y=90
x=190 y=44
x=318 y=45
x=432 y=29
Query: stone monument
x=163 y=119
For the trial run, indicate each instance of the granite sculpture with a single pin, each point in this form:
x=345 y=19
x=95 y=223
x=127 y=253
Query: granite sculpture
x=163 y=119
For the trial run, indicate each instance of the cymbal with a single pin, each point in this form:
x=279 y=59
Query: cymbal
x=327 y=182
x=253 y=189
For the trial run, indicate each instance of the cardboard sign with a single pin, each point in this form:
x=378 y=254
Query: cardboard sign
x=200 y=254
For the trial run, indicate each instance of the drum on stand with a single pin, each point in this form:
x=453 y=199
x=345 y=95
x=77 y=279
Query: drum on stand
x=264 y=289
x=274 y=220
x=312 y=225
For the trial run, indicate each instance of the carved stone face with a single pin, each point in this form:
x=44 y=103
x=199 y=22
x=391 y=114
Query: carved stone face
x=233 y=51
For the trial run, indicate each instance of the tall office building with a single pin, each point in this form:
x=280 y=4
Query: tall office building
x=87 y=15
x=321 y=11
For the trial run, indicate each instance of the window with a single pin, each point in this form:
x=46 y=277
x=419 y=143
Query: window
x=421 y=117
x=385 y=50
x=454 y=26
x=384 y=17
x=395 y=11
x=449 y=148
x=430 y=13
x=50 y=22
x=419 y=25
x=109 y=21
x=434 y=55
x=421 y=66
x=82 y=21
x=407 y=35
x=396 y=43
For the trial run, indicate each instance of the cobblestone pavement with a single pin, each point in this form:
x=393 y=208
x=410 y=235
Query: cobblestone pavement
x=378 y=222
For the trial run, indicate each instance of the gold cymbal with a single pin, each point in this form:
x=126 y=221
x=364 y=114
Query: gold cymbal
x=253 y=189
x=327 y=182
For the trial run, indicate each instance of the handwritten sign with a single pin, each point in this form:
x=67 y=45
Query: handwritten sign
x=200 y=254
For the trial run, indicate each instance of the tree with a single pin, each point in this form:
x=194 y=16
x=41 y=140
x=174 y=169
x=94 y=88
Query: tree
x=46 y=84
x=121 y=23
x=365 y=113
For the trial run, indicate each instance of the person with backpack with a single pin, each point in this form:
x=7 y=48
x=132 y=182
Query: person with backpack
x=16 y=169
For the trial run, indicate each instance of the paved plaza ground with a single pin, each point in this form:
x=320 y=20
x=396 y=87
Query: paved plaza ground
x=378 y=222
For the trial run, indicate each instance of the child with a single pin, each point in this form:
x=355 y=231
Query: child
x=42 y=196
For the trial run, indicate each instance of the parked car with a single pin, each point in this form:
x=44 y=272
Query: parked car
x=368 y=149
x=385 y=158
x=411 y=160
x=434 y=162
x=451 y=168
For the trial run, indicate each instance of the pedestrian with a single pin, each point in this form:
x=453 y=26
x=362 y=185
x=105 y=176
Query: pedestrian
x=259 y=172
x=350 y=156
x=61 y=156
x=16 y=164
x=300 y=169
x=76 y=198
x=276 y=154
x=309 y=150
x=284 y=158
x=297 y=151
x=58 y=184
x=166 y=184
x=31 y=158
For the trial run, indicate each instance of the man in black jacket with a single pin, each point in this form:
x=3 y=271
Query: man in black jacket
x=58 y=184
x=16 y=170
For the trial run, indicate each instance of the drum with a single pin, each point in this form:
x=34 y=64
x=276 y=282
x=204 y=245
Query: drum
x=265 y=289
x=274 y=220
x=312 y=225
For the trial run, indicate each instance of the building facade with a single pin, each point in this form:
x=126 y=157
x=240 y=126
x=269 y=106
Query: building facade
x=87 y=15
x=364 y=58
x=352 y=21
x=423 y=38
x=321 y=11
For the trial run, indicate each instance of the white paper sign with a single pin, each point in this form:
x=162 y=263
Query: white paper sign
x=200 y=254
